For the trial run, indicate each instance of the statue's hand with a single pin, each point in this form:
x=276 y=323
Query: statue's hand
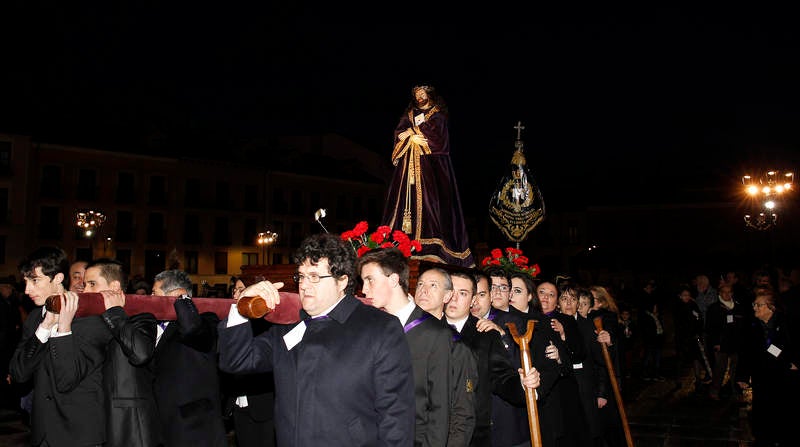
x=419 y=140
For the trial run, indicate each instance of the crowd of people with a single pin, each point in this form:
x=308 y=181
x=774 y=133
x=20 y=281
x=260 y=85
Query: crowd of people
x=373 y=362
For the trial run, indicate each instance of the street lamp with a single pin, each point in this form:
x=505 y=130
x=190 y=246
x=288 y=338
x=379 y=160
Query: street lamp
x=89 y=222
x=265 y=239
x=766 y=191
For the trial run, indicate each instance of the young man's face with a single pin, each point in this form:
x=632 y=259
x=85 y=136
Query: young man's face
x=483 y=300
x=96 y=283
x=500 y=292
x=376 y=284
x=39 y=286
x=459 y=305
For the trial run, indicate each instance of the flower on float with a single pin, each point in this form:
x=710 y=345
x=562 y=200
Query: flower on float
x=382 y=237
x=512 y=261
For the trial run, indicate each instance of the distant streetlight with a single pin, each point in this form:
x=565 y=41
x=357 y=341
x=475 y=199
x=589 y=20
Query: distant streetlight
x=766 y=191
x=264 y=240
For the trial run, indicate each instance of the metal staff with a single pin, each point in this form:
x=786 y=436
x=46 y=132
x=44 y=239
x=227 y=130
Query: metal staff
x=598 y=324
x=704 y=357
x=530 y=396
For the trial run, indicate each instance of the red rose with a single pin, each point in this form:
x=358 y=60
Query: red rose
x=486 y=260
x=405 y=249
x=416 y=246
x=384 y=231
x=400 y=237
x=360 y=228
x=376 y=237
x=347 y=235
x=497 y=254
x=495 y=262
x=361 y=250
x=535 y=270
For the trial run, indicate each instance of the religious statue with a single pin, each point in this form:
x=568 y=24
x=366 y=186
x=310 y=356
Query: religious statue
x=423 y=198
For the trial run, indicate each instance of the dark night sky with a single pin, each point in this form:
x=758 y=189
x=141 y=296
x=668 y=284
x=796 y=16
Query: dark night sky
x=607 y=96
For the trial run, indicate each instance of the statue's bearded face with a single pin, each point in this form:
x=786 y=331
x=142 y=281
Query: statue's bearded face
x=423 y=102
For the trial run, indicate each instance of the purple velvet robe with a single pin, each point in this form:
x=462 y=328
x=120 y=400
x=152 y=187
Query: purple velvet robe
x=437 y=221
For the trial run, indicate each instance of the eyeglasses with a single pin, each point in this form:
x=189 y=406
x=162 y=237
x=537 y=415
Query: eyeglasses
x=757 y=305
x=502 y=288
x=313 y=278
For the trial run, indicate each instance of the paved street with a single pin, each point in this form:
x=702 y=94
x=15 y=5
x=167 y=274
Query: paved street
x=660 y=414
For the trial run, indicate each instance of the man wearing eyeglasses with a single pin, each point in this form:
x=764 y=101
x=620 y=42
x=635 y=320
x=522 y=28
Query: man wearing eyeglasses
x=343 y=374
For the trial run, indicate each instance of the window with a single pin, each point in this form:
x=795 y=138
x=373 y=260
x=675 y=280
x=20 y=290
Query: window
x=124 y=256
x=249 y=258
x=125 y=231
x=191 y=262
x=221 y=263
x=158 y=190
x=154 y=263
x=87 y=184
x=49 y=223
x=194 y=193
x=279 y=204
x=249 y=232
x=222 y=234
x=191 y=230
x=297 y=234
x=297 y=203
x=155 y=228
x=5 y=212
x=223 y=195
x=3 y=249
x=51 y=182
x=5 y=157
x=125 y=188
x=251 y=198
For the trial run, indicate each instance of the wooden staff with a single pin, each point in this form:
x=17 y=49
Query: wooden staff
x=530 y=396
x=598 y=324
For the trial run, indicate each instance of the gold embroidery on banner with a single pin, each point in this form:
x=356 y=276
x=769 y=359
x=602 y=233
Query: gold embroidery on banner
x=470 y=386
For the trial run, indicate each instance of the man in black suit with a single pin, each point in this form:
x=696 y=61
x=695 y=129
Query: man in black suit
x=132 y=417
x=495 y=373
x=63 y=356
x=384 y=274
x=343 y=375
x=250 y=398
x=187 y=377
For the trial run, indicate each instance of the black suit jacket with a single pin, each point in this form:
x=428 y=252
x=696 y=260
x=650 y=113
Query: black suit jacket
x=67 y=374
x=128 y=379
x=495 y=375
x=429 y=342
x=187 y=380
x=348 y=382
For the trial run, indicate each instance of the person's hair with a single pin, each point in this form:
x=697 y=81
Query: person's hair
x=467 y=276
x=769 y=297
x=479 y=275
x=340 y=256
x=433 y=96
x=173 y=280
x=52 y=260
x=111 y=270
x=494 y=270
x=390 y=260
x=448 y=282
x=605 y=299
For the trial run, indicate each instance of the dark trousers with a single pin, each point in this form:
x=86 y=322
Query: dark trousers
x=250 y=432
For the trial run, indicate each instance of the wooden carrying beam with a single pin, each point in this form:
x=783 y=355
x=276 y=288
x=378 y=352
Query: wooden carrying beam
x=287 y=312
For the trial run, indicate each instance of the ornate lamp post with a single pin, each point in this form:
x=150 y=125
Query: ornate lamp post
x=264 y=240
x=89 y=222
x=766 y=192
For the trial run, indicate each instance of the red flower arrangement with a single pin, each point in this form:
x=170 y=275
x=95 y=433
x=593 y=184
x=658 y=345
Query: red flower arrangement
x=383 y=237
x=513 y=261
